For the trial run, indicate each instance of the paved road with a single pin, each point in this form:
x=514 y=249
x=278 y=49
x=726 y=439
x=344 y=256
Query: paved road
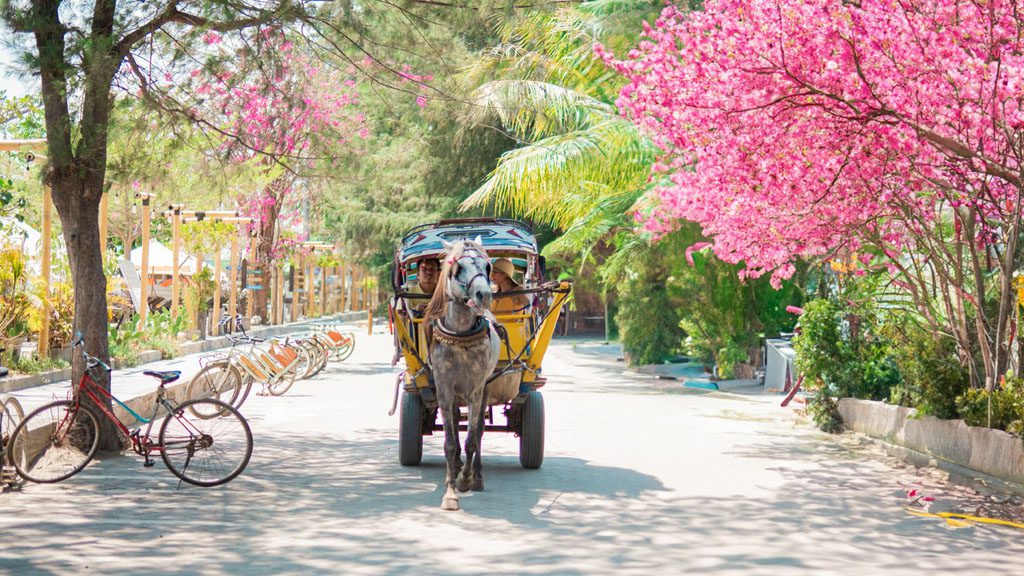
x=641 y=477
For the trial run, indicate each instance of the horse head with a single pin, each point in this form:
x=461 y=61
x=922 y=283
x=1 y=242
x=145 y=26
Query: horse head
x=466 y=275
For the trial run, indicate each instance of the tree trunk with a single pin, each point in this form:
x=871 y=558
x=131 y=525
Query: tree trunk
x=77 y=202
x=263 y=256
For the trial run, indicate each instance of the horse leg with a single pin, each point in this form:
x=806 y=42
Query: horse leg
x=470 y=478
x=478 y=476
x=451 y=449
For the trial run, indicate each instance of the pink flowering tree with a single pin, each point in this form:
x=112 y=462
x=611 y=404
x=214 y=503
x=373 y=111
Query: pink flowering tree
x=290 y=113
x=816 y=128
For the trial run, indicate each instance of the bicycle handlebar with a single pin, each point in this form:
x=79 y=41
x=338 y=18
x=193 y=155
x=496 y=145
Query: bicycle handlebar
x=90 y=361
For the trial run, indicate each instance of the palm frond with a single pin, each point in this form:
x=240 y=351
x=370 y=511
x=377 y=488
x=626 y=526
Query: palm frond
x=535 y=110
x=612 y=7
x=559 y=178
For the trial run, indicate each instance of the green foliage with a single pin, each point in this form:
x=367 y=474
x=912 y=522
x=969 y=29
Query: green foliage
x=647 y=322
x=61 y=311
x=163 y=324
x=33 y=364
x=722 y=315
x=1002 y=408
x=824 y=411
x=647 y=317
x=838 y=351
x=206 y=236
x=124 y=342
x=14 y=299
x=167 y=347
x=10 y=205
x=932 y=377
x=202 y=288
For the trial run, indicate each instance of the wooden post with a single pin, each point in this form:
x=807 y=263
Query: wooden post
x=215 y=317
x=344 y=280
x=43 y=350
x=104 y=208
x=323 y=290
x=144 y=272
x=295 y=293
x=175 y=249
x=339 y=298
x=279 y=294
x=353 y=304
x=233 y=297
x=309 y=288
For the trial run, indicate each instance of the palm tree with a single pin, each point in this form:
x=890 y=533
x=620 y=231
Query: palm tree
x=581 y=167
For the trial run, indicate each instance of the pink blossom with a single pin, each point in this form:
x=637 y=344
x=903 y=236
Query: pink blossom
x=794 y=129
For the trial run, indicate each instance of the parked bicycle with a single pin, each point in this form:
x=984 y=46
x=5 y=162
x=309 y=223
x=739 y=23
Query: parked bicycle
x=222 y=377
x=58 y=440
x=11 y=414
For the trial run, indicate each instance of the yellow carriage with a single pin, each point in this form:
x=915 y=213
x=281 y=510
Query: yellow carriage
x=514 y=387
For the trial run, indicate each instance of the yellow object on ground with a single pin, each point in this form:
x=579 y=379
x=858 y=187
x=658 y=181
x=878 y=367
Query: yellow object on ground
x=958 y=520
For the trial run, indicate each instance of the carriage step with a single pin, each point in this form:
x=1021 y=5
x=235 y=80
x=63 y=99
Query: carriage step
x=8 y=475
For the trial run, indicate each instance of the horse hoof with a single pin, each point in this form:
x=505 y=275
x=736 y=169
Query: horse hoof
x=478 y=485
x=450 y=504
x=462 y=484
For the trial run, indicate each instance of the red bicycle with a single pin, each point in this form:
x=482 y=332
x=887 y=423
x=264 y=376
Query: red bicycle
x=58 y=440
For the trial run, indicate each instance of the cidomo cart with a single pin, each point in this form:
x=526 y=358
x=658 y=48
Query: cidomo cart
x=514 y=387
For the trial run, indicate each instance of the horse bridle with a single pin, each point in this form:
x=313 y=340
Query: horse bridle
x=465 y=285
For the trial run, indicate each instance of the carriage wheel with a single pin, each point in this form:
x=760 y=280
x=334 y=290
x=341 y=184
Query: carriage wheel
x=531 y=435
x=410 y=430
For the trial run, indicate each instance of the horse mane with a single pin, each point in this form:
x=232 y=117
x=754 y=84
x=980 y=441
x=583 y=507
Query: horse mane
x=438 y=301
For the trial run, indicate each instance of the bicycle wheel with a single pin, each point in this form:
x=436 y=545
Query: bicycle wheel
x=54 y=442
x=219 y=381
x=244 y=389
x=318 y=355
x=205 y=452
x=11 y=414
x=325 y=354
x=342 y=353
x=302 y=366
x=310 y=352
x=284 y=383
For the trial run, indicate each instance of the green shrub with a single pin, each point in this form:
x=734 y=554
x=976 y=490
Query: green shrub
x=647 y=322
x=824 y=410
x=840 y=351
x=167 y=347
x=32 y=364
x=1003 y=408
x=932 y=376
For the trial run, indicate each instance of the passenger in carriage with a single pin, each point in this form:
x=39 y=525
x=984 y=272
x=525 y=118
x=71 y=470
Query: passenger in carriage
x=502 y=271
x=428 y=270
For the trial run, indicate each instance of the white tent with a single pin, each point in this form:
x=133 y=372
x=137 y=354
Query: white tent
x=161 y=260
x=23 y=235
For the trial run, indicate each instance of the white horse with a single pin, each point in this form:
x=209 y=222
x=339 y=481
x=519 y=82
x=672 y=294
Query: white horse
x=463 y=352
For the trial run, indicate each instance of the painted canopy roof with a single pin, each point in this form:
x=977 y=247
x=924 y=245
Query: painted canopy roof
x=496 y=234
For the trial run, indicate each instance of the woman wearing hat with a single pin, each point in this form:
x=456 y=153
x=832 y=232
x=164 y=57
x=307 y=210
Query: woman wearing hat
x=502 y=271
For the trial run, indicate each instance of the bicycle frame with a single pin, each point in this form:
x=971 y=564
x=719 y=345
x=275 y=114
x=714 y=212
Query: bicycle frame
x=142 y=444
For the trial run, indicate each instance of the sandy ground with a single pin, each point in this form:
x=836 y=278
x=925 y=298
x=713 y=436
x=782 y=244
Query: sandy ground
x=641 y=476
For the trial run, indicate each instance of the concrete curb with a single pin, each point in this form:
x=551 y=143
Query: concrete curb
x=950 y=443
x=15 y=383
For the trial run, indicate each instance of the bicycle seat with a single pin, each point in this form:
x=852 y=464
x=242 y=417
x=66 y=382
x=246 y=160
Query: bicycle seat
x=164 y=377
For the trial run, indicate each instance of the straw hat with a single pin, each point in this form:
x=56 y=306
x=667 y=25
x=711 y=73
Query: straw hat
x=505 y=266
